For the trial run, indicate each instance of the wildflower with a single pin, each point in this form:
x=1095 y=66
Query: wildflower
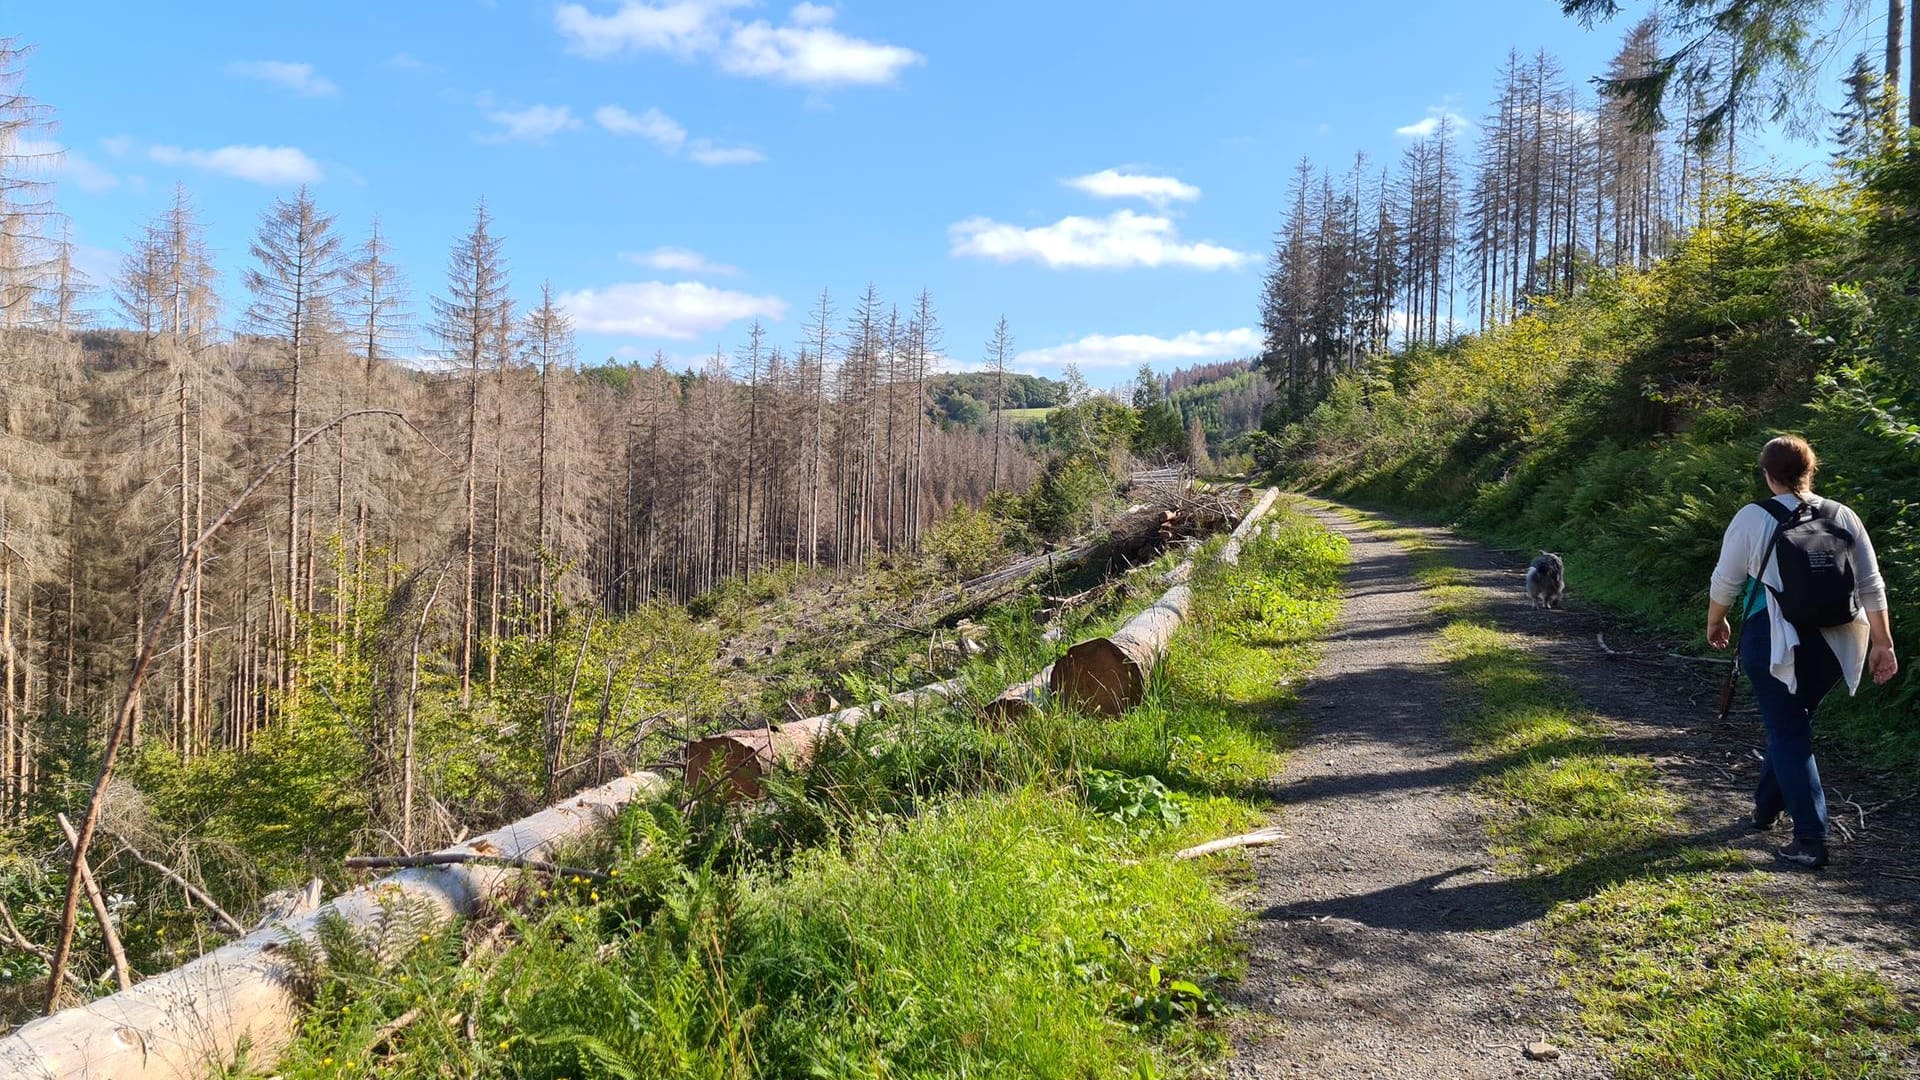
x=503 y=1045
x=595 y=897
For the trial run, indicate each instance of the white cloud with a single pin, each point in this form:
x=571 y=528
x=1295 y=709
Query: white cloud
x=812 y=55
x=811 y=15
x=1128 y=351
x=299 y=78
x=675 y=260
x=653 y=125
x=259 y=164
x=708 y=152
x=63 y=163
x=1118 y=184
x=804 y=50
x=1423 y=128
x=683 y=27
x=533 y=123
x=670 y=136
x=406 y=61
x=656 y=309
x=1121 y=239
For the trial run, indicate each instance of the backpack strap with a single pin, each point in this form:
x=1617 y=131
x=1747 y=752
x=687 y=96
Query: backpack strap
x=1782 y=517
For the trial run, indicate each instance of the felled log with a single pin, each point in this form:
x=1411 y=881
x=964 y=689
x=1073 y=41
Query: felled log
x=1230 y=552
x=976 y=593
x=1019 y=701
x=735 y=763
x=190 y=1022
x=1109 y=674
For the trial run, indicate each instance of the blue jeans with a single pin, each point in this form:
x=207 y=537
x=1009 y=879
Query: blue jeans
x=1789 y=778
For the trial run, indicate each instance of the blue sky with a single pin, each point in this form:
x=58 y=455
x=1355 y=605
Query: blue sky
x=1106 y=175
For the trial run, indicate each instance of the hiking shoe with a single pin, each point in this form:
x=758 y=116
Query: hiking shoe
x=1806 y=854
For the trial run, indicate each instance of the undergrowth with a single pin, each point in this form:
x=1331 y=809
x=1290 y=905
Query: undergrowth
x=1677 y=962
x=947 y=900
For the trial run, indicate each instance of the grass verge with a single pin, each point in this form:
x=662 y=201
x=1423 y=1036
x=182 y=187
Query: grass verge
x=950 y=901
x=1677 y=962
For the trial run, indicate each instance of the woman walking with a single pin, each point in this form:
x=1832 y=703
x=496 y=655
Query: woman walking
x=1793 y=663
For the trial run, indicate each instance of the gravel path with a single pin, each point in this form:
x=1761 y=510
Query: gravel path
x=1385 y=945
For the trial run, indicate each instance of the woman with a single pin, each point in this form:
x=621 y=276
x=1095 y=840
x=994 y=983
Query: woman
x=1789 y=681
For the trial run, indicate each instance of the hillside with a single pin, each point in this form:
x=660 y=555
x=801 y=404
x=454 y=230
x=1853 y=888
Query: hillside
x=1619 y=423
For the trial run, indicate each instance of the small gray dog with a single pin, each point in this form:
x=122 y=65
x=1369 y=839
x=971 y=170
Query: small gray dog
x=1546 y=580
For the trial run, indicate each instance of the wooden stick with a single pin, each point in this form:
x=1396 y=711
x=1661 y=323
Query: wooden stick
x=198 y=894
x=459 y=858
x=99 y=904
x=20 y=941
x=1256 y=838
x=393 y=1027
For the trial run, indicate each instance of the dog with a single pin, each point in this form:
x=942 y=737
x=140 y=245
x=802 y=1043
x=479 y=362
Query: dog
x=1546 y=580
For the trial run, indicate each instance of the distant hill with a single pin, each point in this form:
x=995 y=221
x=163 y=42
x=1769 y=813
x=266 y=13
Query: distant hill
x=1229 y=397
x=965 y=397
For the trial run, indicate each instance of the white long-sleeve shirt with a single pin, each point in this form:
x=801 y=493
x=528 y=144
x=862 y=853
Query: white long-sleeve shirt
x=1744 y=549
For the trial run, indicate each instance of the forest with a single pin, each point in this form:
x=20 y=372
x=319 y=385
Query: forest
x=385 y=562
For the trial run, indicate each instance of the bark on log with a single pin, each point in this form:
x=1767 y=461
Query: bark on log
x=1019 y=701
x=1108 y=675
x=189 y=1022
x=1230 y=554
x=735 y=763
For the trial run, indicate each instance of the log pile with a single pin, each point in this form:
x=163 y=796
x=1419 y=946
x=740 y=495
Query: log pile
x=1172 y=515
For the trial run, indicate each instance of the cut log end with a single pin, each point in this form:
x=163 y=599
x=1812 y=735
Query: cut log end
x=731 y=764
x=1099 y=676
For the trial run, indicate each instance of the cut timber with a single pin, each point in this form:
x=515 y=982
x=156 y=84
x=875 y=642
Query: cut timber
x=1020 y=701
x=190 y=1022
x=736 y=762
x=1230 y=554
x=1109 y=674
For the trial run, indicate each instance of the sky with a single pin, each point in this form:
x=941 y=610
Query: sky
x=1106 y=176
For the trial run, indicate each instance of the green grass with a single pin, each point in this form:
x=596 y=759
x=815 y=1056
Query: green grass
x=1677 y=963
x=951 y=901
x=1018 y=415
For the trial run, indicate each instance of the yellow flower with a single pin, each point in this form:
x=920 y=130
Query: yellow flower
x=503 y=1045
x=615 y=872
x=595 y=897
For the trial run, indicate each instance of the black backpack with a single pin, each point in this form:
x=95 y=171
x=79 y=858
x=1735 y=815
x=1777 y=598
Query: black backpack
x=1815 y=556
